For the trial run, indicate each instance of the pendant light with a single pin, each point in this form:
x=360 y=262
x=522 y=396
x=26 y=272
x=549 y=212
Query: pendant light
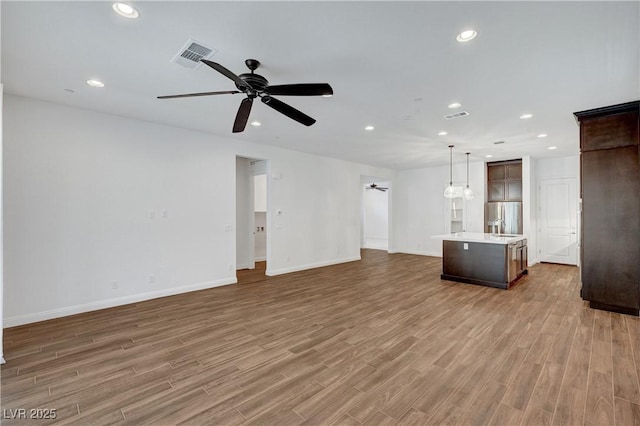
x=468 y=193
x=450 y=192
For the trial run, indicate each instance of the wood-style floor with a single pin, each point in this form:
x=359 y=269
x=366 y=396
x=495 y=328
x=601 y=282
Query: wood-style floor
x=381 y=341
x=249 y=276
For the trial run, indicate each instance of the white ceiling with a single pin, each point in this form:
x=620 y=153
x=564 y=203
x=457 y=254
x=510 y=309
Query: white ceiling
x=394 y=65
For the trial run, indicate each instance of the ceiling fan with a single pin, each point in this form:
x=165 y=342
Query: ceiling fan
x=374 y=186
x=254 y=86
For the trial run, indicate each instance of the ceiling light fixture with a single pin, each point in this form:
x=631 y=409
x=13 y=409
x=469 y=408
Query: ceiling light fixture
x=451 y=191
x=256 y=123
x=542 y=135
x=327 y=96
x=466 y=35
x=369 y=128
x=95 y=83
x=125 y=10
x=468 y=193
x=488 y=156
x=526 y=116
x=454 y=105
x=553 y=147
x=443 y=133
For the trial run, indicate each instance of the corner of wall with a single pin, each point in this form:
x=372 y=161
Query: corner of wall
x=1 y=232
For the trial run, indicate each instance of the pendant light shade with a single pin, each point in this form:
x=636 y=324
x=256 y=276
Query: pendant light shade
x=451 y=191
x=468 y=193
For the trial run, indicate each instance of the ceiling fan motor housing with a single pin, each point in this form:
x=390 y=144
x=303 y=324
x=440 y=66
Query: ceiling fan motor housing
x=256 y=81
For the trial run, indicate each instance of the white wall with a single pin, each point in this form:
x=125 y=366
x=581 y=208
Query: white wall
x=530 y=206
x=81 y=187
x=1 y=215
x=1 y=229
x=260 y=239
x=260 y=193
x=260 y=217
x=243 y=224
x=376 y=218
x=559 y=167
x=418 y=206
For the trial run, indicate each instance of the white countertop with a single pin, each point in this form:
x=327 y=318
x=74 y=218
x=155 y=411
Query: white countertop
x=478 y=237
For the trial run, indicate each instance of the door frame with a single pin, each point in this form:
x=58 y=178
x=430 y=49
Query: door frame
x=250 y=222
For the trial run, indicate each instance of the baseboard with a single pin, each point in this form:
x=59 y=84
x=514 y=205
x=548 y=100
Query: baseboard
x=110 y=303
x=375 y=248
x=419 y=252
x=261 y=259
x=242 y=266
x=272 y=272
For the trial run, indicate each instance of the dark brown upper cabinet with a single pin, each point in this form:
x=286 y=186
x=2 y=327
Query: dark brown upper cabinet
x=504 y=181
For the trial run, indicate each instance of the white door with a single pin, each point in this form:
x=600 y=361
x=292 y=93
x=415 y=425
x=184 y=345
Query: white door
x=557 y=221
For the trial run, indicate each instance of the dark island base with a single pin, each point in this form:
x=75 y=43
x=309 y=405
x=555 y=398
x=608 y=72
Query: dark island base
x=494 y=284
x=613 y=308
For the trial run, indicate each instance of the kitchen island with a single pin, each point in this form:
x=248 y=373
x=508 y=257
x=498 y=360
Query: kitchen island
x=494 y=260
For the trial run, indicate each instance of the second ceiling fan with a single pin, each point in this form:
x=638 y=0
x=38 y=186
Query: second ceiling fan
x=375 y=186
x=254 y=86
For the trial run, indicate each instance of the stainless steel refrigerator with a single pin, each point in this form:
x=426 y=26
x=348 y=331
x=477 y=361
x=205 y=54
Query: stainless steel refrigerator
x=503 y=217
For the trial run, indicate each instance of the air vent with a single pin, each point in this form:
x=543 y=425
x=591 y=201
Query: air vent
x=456 y=115
x=191 y=54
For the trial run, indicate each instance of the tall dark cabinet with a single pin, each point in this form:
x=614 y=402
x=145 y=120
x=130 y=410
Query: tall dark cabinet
x=610 y=191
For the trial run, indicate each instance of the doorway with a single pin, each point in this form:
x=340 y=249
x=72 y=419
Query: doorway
x=251 y=219
x=375 y=213
x=558 y=221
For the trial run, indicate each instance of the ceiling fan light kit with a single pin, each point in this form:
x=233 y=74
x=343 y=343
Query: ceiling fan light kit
x=254 y=85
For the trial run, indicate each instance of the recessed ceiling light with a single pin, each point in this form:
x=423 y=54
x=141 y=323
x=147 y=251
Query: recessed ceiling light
x=526 y=116
x=466 y=35
x=488 y=156
x=95 y=83
x=542 y=135
x=454 y=105
x=125 y=10
x=442 y=133
x=256 y=123
x=553 y=147
x=327 y=96
x=369 y=128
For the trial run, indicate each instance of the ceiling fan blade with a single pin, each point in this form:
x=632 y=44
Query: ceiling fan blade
x=381 y=189
x=307 y=89
x=190 y=95
x=288 y=110
x=243 y=115
x=222 y=70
